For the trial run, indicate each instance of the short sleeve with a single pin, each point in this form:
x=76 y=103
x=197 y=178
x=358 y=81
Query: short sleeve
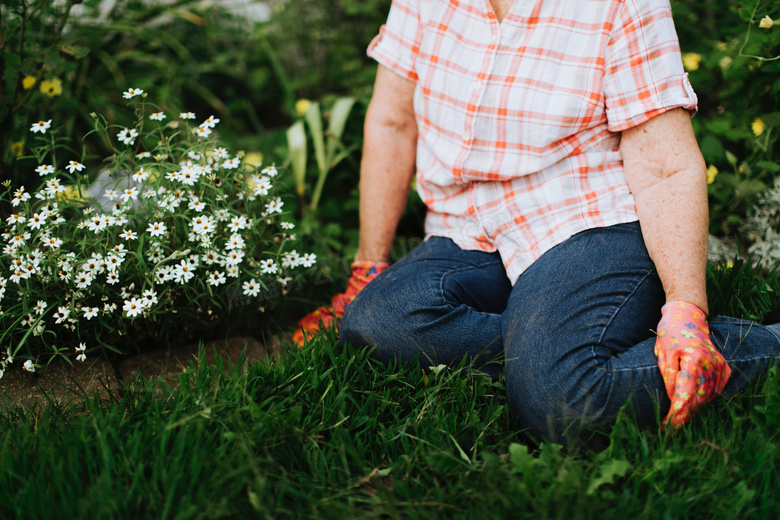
x=398 y=42
x=644 y=75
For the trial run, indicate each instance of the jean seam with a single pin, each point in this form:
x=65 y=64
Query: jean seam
x=619 y=308
x=454 y=271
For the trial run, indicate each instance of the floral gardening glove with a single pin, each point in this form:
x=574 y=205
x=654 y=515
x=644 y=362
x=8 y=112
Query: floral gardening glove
x=328 y=315
x=693 y=370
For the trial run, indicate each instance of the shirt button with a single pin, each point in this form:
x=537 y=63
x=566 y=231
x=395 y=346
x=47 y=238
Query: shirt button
x=477 y=85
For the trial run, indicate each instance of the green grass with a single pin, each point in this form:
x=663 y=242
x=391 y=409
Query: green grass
x=331 y=433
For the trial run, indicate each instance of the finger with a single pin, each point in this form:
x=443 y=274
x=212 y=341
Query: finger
x=684 y=402
x=669 y=367
x=725 y=374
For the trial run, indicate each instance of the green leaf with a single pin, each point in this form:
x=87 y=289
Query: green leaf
x=522 y=460
x=769 y=166
x=338 y=120
x=11 y=75
x=608 y=472
x=313 y=118
x=296 y=144
x=771 y=119
x=731 y=158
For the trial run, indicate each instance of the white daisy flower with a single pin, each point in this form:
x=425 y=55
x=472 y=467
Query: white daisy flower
x=40 y=307
x=210 y=122
x=44 y=169
x=271 y=171
x=129 y=194
x=274 y=205
x=236 y=241
x=20 y=196
x=291 y=259
x=62 y=314
x=52 y=242
x=157 y=116
x=131 y=93
x=196 y=204
x=268 y=267
x=84 y=280
x=203 y=132
x=184 y=272
x=29 y=366
x=16 y=218
x=133 y=307
x=308 y=259
x=41 y=126
x=143 y=155
x=187 y=115
x=90 y=312
x=237 y=223
x=156 y=229
x=128 y=234
x=82 y=355
x=262 y=186
x=251 y=288
x=216 y=278
x=37 y=220
x=287 y=225
x=234 y=257
x=141 y=175
x=232 y=164
x=127 y=136
x=74 y=166
x=150 y=297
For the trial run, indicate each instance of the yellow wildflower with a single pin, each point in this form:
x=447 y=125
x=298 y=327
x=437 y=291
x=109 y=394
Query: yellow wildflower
x=766 y=22
x=253 y=159
x=712 y=171
x=71 y=192
x=52 y=87
x=302 y=105
x=691 y=60
x=757 y=126
x=17 y=148
x=28 y=82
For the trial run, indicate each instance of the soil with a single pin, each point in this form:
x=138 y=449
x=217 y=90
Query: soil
x=61 y=381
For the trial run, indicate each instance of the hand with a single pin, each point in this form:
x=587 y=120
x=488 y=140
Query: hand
x=328 y=315
x=694 y=371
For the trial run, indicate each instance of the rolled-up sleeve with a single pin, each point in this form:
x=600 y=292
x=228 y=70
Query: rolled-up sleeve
x=644 y=75
x=398 y=42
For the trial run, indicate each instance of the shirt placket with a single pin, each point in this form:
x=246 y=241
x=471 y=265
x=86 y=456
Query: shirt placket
x=476 y=98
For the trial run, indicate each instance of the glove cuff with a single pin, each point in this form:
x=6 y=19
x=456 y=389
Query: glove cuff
x=685 y=307
x=367 y=268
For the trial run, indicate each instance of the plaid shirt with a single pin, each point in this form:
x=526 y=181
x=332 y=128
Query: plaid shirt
x=519 y=122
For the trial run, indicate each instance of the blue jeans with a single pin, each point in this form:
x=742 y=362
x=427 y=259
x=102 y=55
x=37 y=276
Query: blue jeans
x=576 y=331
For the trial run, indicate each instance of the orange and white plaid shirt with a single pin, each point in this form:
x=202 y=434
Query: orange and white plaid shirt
x=519 y=122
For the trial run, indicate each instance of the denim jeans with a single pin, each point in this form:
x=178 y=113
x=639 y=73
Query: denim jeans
x=576 y=331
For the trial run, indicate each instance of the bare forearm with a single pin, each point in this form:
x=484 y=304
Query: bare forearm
x=389 y=151
x=666 y=174
x=674 y=217
x=385 y=174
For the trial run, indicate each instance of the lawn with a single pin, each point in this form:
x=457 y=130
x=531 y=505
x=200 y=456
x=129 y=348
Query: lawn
x=327 y=432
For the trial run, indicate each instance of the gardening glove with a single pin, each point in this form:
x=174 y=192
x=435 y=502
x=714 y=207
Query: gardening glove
x=694 y=372
x=328 y=315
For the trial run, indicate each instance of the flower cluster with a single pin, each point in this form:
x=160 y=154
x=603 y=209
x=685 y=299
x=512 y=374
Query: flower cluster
x=180 y=218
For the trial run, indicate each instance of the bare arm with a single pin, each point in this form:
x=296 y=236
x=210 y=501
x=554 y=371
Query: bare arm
x=389 y=149
x=667 y=176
